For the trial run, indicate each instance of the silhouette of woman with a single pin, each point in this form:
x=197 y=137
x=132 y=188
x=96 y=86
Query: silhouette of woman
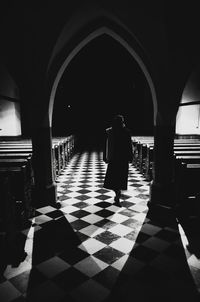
x=118 y=153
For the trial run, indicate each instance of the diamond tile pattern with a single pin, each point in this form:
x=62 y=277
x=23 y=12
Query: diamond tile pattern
x=92 y=250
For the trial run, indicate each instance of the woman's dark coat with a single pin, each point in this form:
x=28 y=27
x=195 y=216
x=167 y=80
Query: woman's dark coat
x=118 y=153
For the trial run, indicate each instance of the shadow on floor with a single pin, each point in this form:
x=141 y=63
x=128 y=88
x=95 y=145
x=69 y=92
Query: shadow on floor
x=157 y=269
x=55 y=238
x=188 y=215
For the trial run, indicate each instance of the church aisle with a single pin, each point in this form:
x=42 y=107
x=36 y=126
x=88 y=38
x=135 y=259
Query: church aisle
x=91 y=250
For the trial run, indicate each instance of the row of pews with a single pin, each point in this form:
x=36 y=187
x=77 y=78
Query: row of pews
x=17 y=176
x=16 y=192
x=186 y=160
x=62 y=150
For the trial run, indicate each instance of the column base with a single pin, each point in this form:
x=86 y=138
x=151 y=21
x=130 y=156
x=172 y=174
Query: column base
x=44 y=196
x=162 y=214
x=162 y=202
x=162 y=194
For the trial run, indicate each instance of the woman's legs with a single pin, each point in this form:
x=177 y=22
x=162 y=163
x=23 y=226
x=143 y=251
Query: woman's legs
x=117 y=197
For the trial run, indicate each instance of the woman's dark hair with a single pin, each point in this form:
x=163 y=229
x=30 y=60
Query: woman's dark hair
x=118 y=122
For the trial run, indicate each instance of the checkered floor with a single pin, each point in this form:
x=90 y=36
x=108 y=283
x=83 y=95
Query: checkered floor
x=91 y=250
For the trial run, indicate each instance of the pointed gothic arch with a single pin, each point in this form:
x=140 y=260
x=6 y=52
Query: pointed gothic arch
x=96 y=33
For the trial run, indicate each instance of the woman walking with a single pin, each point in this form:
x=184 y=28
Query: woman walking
x=118 y=153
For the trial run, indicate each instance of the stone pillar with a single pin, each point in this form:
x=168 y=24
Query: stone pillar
x=162 y=188
x=45 y=186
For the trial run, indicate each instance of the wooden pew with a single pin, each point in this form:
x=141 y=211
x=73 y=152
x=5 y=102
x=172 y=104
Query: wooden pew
x=143 y=155
x=62 y=149
x=188 y=150
x=187 y=177
x=56 y=154
x=21 y=187
x=11 y=222
x=8 y=147
x=16 y=148
x=16 y=169
x=139 y=150
x=62 y=143
x=186 y=159
x=15 y=155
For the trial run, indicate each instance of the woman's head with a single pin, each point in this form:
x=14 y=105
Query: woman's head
x=118 y=122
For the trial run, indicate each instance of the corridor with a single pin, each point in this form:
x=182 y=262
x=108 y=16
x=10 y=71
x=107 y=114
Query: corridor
x=90 y=250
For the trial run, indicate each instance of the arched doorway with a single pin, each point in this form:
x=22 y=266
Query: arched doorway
x=102 y=80
x=56 y=69
x=101 y=31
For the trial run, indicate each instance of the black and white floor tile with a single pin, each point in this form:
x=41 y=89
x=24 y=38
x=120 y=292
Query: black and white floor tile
x=91 y=250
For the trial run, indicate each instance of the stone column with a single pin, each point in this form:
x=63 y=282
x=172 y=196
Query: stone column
x=45 y=186
x=162 y=188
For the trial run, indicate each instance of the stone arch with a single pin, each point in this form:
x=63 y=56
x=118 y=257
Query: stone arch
x=96 y=33
x=69 y=43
